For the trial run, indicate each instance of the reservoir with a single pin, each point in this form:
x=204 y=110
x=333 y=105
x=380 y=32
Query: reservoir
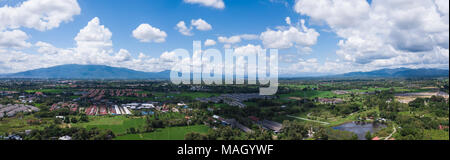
x=360 y=128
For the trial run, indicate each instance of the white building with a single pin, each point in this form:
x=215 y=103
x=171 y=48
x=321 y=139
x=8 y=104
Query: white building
x=65 y=138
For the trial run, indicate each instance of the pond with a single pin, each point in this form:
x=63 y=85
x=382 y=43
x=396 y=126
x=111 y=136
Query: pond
x=360 y=128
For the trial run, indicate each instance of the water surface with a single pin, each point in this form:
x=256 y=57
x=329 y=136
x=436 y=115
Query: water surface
x=360 y=128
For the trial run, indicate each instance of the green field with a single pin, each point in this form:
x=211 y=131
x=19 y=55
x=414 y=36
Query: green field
x=45 y=91
x=396 y=89
x=171 y=133
x=296 y=86
x=330 y=94
x=311 y=94
x=117 y=124
x=333 y=120
x=120 y=124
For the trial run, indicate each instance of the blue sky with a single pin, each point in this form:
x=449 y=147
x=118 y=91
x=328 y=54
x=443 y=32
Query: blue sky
x=240 y=17
x=365 y=41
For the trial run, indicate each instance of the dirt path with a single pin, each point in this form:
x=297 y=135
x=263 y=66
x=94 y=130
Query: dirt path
x=388 y=137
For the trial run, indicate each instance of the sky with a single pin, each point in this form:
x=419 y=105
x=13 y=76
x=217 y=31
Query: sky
x=313 y=36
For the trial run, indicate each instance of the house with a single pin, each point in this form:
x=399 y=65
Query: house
x=253 y=118
x=236 y=124
x=147 y=106
x=12 y=137
x=13 y=109
x=39 y=94
x=274 y=126
x=441 y=127
x=234 y=99
x=147 y=113
x=330 y=100
x=341 y=92
x=65 y=138
x=60 y=117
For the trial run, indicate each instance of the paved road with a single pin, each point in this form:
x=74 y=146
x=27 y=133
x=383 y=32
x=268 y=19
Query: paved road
x=305 y=119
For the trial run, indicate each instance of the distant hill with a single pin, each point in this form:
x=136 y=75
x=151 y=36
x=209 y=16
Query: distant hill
x=74 y=71
x=399 y=73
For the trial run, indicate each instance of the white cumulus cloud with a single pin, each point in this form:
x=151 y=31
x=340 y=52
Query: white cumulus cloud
x=147 y=33
x=210 y=42
x=385 y=33
x=183 y=29
x=229 y=40
x=201 y=25
x=38 y=14
x=288 y=37
x=13 y=39
x=219 y=4
x=94 y=35
x=198 y=24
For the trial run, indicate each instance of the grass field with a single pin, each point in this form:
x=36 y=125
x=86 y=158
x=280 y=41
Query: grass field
x=335 y=121
x=311 y=94
x=396 y=89
x=294 y=86
x=117 y=124
x=330 y=94
x=120 y=124
x=45 y=91
x=171 y=133
x=15 y=124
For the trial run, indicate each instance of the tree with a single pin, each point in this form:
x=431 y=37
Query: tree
x=369 y=135
x=321 y=134
x=293 y=130
x=57 y=121
x=67 y=120
x=19 y=115
x=354 y=137
x=74 y=120
x=84 y=118
x=195 y=136
x=131 y=130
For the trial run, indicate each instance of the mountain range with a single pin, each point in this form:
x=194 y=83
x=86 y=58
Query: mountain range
x=74 y=71
x=399 y=73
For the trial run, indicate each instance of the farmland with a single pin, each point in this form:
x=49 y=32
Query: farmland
x=135 y=110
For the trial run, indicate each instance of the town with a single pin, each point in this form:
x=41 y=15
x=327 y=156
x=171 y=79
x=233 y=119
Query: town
x=151 y=110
